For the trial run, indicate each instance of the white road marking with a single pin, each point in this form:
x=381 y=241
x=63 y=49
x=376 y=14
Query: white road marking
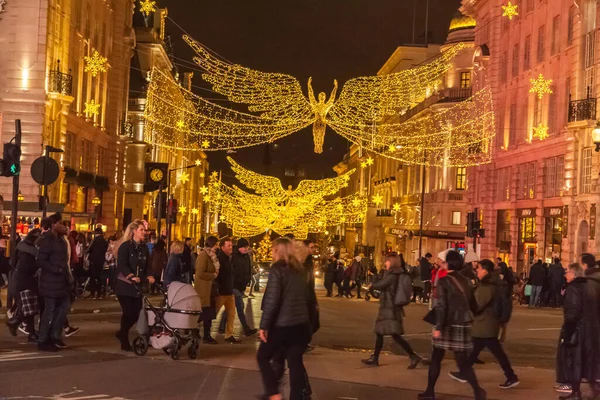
x=544 y=329
x=16 y=355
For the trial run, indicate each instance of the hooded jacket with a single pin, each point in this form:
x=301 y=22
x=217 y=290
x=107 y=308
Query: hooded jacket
x=485 y=322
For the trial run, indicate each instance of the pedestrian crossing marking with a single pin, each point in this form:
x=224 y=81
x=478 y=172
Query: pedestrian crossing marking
x=17 y=355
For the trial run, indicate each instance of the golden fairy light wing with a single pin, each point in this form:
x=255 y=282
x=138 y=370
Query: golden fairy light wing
x=368 y=100
x=323 y=187
x=274 y=95
x=261 y=184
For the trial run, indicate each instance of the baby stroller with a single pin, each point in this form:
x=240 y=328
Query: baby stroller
x=172 y=326
x=372 y=293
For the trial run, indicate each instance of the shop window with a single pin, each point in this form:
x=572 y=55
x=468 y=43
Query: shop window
x=465 y=80
x=586 y=171
x=461 y=178
x=456 y=217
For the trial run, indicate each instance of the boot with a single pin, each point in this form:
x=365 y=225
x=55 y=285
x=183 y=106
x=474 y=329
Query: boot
x=572 y=396
x=12 y=325
x=480 y=394
x=373 y=360
x=415 y=359
x=426 y=396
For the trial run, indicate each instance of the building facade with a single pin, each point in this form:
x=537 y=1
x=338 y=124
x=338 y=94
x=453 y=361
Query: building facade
x=65 y=76
x=538 y=198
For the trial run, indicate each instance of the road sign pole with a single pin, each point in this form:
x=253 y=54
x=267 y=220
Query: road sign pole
x=45 y=186
x=15 y=203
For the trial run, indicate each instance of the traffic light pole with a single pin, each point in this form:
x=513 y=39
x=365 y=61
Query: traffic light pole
x=160 y=211
x=15 y=203
x=45 y=185
x=169 y=197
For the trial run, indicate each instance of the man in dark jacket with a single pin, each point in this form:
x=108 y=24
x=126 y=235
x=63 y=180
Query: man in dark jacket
x=425 y=264
x=242 y=274
x=186 y=260
x=225 y=282
x=486 y=323
x=357 y=274
x=330 y=274
x=537 y=276
x=96 y=256
x=308 y=263
x=54 y=284
x=556 y=277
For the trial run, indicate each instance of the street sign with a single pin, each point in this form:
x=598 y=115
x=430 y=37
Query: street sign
x=37 y=171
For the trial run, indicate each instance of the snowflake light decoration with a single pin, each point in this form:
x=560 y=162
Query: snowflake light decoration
x=540 y=132
x=205 y=144
x=377 y=199
x=396 y=207
x=364 y=164
x=203 y=190
x=91 y=109
x=180 y=124
x=202 y=174
x=198 y=162
x=370 y=161
x=510 y=10
x=147 y=7
x=195 y=211
x=391 y=148
x=184 y=177
x=540 y=86
x=95 y=63
x=182 y=209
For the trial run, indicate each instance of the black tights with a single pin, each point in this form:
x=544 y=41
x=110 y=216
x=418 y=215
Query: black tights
x=399 y=339
x=435 y=367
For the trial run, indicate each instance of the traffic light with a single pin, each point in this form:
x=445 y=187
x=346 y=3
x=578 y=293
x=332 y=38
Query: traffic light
x=11 y=163
x=172 y=211
x=474 y=225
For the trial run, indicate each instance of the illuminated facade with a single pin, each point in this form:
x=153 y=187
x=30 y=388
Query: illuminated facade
x=539 y=197
x=61 y=58
x=153 y=51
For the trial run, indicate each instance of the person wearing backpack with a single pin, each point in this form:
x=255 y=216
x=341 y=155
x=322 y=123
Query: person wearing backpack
x=396 y=292
x=490 y=312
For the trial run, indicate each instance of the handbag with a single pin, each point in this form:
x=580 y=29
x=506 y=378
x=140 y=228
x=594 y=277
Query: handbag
x=527 y=290
x=569 y=340
x=430 y=317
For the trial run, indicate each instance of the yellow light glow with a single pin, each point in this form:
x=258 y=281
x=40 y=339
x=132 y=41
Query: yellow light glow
x=510 y=10
x=370 y=161
x=377 y=199
x=95 y=64
x=147 y=7
x=364 y=164
x=184 y=177
x=203 y=190
x=396 y=207
x=25 y=79
x=198 y=162
x=540 y=86
x=91 y=109
x=180 y=124
x=540 y=132
x=391 y=148
x=195 y=211
x=202 y=174
x=182 y=209
x=205 y=144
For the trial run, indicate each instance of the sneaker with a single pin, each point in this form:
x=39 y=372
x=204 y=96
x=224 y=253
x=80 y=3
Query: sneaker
x=46 y=347
x=457 y=377
x=70 y=331
x=510 y=383
x=32 y=338
x=23 y=329
x=209 y=340
x=59 y=344
x=563 y=388
x=232 y=340
x=251 y=332
x=309 y=348
x=9 y=314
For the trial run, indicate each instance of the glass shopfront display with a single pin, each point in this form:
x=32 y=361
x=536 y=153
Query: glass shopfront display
x=527 y=239
x=552 y=233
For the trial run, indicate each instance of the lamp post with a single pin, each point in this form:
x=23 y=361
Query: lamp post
x=96 y=203
x=596 y=136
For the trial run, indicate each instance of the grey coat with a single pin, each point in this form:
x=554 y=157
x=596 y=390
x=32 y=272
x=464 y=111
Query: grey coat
x=389 y=316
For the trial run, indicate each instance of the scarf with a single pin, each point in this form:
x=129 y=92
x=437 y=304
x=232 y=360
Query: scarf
x=213 y=256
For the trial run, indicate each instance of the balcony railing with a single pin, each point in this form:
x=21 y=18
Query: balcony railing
x=60 y=82
x=384 y=212
x=126 y=128
x=458 y=93
x=582 y=110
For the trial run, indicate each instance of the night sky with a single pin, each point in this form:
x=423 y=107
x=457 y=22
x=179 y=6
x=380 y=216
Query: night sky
x=325 y=39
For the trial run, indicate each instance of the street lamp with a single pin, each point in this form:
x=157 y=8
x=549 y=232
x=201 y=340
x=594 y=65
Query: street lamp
x=20 y=197
x=596 y=136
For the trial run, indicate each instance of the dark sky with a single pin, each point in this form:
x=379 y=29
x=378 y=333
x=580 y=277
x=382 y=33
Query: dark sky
x=325 y=39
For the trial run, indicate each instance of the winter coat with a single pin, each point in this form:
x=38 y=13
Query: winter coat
x=173 y=270
x=389 y=316
x=53 y=260
x=451 y=306
x=357 y=273
x=309 y=270
x=286 y=298
x=27 y=267
x=487 y=293
x=186 y=259
x=590 y=326
x=158 y=262
x=242 y=270
x=537 y=275
x=225 y=278
x=568 y=365
x=132 y=258
x=556 y=276
x=416 y=277
x=205 y=276
x=425 y=269
x=97 y=253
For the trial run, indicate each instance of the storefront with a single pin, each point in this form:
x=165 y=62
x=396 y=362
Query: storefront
x=527 y=239
x=553 y=232
x=503 y=242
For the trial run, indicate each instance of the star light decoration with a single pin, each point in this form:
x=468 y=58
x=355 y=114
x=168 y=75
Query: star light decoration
x=95 y=64
x=377 y=199
x=184 y=177
x=198 y=162
x=91 y=109
x=510 y=10
x=203 y=190
x=182 y=210
x=396 y=207
x=540 y=86
x=147 y=7
x=195 y=211
x=540 y=132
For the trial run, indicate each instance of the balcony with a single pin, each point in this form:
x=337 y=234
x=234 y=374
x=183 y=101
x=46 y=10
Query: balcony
x=384 y=212
x=60 y=82
x=457 y=94
x=582 y=110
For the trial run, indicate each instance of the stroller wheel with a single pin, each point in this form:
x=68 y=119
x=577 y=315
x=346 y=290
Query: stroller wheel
x=193 y=350
x=140 y=345
x=174 y=351
x=367 y=297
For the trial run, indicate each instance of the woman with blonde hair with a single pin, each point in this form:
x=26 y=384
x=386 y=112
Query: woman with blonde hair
x=132 y=268
x=174 y=269
x=285 y=326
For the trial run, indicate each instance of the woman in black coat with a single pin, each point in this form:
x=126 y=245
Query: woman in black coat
x=389 y=316
x=569 y=355
x=132 y=268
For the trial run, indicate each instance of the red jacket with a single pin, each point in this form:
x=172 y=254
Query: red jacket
x=435 y=275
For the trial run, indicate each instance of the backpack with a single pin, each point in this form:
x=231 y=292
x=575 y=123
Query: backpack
x=503 y=304
x=404 y=290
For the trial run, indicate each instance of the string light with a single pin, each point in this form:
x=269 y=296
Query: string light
x=95 y=64
x=541 y=86
x=510 y=10
x=147 y=7
x=91 y=109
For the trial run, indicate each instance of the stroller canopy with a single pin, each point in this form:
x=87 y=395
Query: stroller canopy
x=182 y=296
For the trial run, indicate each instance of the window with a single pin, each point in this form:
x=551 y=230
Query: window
x=500 y=124
x=100 y=166
x=515 y=61
x=529 y=5
x=552 y=113
x=465 y=80
x=503 y=184
x=537 y=111
x=86 y=159
x=70 y=150
x=461 y=178
x=526 y=185
x=512 y=127
x=554 y=176
x=525 y=122
x=571 y=26
x=527 y=53
x=555 y=48
x=586 y=171
x=541 y=43
x=590 y=49
x=503 y=67
x=456 y=218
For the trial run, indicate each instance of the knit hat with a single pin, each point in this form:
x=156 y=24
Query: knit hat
x=442 y=255
x=242 y=243
x=471 y=257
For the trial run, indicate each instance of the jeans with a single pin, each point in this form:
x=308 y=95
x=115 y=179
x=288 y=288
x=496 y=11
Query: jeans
x=291 y=341
x=534 y=299
x=358 y=288
x=493 y=344
x=131 y=311
x=239 y=305
x=426 y=291
x=53 y=318
x=227 y=301
x=255 y=281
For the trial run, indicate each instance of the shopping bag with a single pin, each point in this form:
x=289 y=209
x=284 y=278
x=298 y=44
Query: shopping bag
x=527 y=290
x=142 y=323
